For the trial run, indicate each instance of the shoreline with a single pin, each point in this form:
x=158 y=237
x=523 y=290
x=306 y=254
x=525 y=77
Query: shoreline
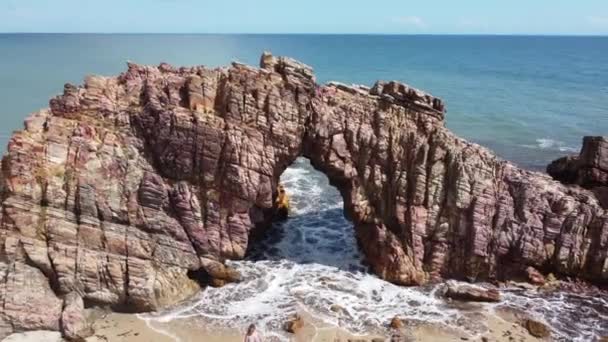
x=501 y=325
x=477 y=323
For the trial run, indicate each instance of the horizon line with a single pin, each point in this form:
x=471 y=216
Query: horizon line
x=315 y=34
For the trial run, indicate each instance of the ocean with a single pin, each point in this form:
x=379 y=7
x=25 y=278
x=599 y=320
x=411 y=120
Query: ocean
x=529 y=98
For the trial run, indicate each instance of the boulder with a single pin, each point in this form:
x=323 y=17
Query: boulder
x=293 y=324
x=74 y=325
x=220 y=271
x=468 y=292
x=396 y=323
x=215 y=282
x=537 y=329
x=534 y=276
x=521 y=285
x=170 y=285
x=336 y=308
x=551 y=283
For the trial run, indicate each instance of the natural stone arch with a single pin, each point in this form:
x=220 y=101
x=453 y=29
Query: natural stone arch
x=128 y=182
x=267 y=119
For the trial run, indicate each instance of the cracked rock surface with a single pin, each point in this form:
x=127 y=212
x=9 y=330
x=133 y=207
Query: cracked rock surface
x=127 y=183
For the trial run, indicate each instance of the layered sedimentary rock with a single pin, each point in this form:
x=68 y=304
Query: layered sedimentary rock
x=127 y=183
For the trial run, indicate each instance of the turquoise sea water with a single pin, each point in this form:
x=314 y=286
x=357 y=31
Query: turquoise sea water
x=530 y=99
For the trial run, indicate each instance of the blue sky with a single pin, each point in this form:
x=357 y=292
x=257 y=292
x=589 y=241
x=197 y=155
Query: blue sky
x=309 y=16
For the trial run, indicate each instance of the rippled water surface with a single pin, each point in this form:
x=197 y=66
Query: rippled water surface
x=311 y=263
x=530 y=99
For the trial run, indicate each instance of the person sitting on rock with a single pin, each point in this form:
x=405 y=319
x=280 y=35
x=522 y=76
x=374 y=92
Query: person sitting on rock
x=282 y=203
x=252 y=335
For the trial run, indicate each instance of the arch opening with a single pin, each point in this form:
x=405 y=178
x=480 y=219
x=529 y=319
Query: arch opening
x=317 y=230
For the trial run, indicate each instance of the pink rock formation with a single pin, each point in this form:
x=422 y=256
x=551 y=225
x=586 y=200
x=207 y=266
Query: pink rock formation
x=127 y=183
x=74 y=325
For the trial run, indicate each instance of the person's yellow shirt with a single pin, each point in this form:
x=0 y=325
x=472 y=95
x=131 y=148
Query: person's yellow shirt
x=283 y=200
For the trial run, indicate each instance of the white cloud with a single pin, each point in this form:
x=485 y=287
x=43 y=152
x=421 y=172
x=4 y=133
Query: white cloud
x=412 y=21
x=598 y=21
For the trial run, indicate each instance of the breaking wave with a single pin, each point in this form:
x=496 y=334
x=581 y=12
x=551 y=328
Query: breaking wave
x=553 y=145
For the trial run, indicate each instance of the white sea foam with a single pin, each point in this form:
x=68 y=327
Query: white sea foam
x=311 y=262
x=149 y=322
x=272 y=290
x=550 y=144
x=573 y=317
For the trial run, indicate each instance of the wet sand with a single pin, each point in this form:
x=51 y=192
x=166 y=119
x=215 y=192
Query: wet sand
x=116 y=327
x=127 y=327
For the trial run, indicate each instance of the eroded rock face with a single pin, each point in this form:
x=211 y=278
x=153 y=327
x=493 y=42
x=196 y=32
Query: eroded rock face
x=124 y=184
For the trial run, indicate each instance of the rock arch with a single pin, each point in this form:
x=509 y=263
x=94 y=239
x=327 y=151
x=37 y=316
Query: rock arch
x=128 y=182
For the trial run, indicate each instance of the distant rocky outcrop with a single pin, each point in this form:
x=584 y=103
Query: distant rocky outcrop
x=127 y=185
x=589 y=169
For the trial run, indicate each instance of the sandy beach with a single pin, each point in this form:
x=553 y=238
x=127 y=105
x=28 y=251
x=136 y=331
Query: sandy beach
x=129 y=327
x=117 y=327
